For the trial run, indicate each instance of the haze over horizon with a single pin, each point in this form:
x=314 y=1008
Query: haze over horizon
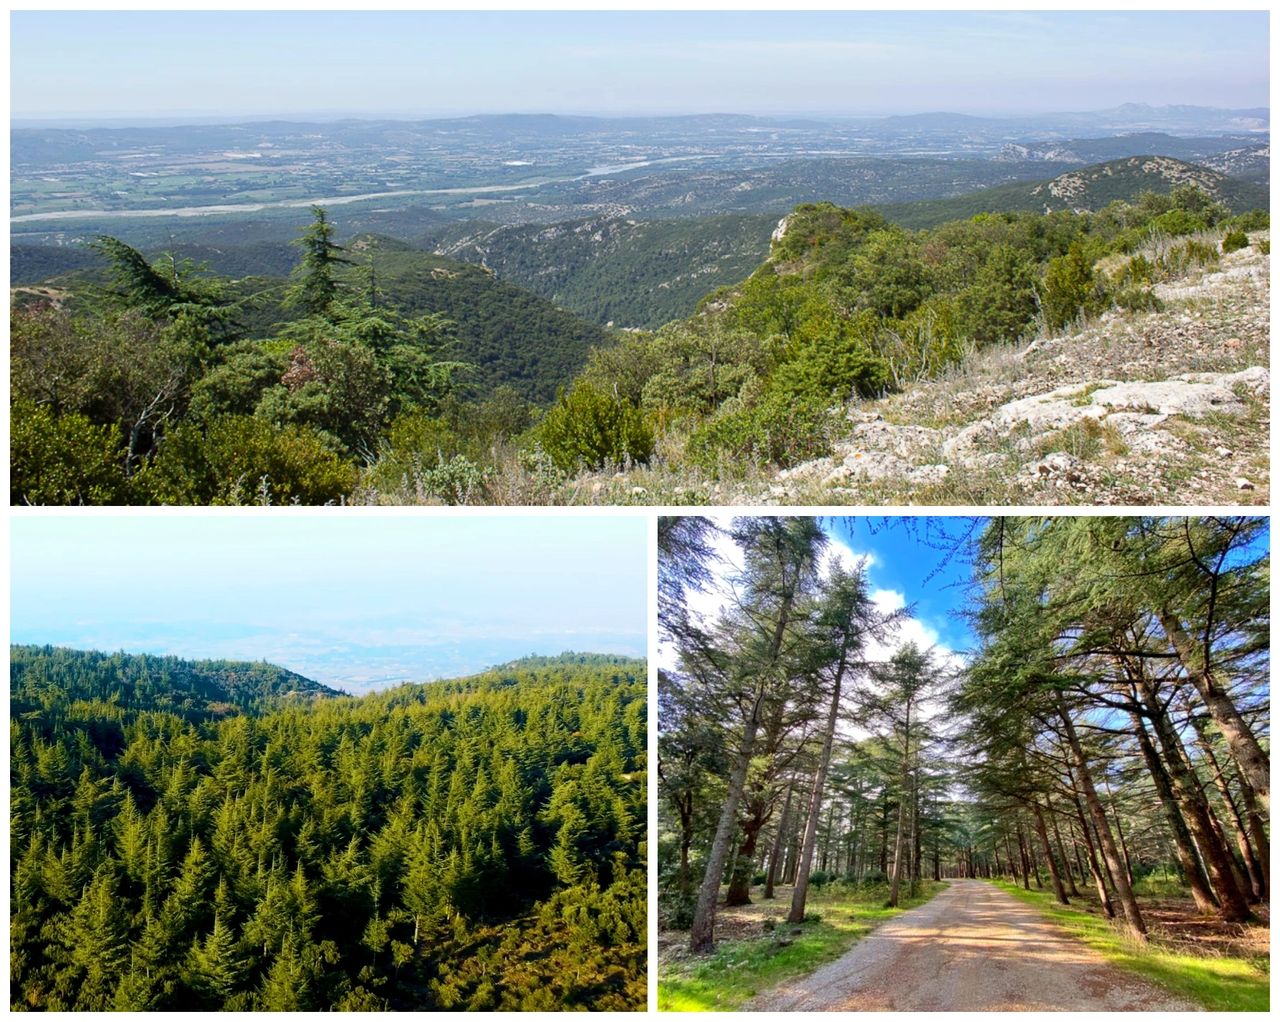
x=348 y=602
x=112 y=65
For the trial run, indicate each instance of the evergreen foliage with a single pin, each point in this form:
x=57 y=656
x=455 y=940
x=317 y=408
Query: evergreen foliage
x=204 y=836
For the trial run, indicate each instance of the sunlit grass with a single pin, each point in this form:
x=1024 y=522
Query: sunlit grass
x=1216 y=982
x=738 y=970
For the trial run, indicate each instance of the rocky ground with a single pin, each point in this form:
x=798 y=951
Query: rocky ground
x=1167 y=407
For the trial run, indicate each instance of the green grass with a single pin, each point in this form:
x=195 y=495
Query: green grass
x=1216 y=983
x=739 y=969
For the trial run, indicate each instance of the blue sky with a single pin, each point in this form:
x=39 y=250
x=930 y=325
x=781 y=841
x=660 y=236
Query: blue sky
x=909 y=562
x=347 y=599
x=411 y=63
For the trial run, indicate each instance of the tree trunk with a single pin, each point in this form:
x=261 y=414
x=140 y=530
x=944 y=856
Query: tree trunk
x=779 y=841
x=1058 y=890
x=1062 y=853
x=744 y=866
x=1255 y=767
x=1095 y=870
x=1204 y=898
x=702 y=932
x=902 y=810
x=1256 y=879
x=1119 y=877
x=1259 y=831
x=1232 y=905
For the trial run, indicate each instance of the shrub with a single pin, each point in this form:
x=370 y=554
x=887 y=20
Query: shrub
x=240 y=459
x=1177 y=259
x=63 y=459
x=841 y=367
x=1264 y=246
x=590 y=427
x=676 y=910
x=820 y=878
x=778 y=430
x=1070 y=289
x=1233 y=241
x=1253 y=220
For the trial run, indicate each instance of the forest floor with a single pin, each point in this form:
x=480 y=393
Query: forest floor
x=756 y=948
x=1168 y=406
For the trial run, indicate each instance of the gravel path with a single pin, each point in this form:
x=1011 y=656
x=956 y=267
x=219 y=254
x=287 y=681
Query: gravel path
x=971 y=948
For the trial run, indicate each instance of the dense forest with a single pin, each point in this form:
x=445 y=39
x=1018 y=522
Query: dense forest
x=250 y=840
x=1106 y=738
x=353 y=382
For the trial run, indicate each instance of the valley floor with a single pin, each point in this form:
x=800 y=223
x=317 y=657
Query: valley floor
x=1167 y=407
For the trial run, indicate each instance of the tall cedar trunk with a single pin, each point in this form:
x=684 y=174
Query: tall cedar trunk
x=744 y=866
x=1259 y=832
x=1042 y=833
x=902 y=809
x=1124 y=847
x=1257 y=881
x=1232 y=905
x=915 y=828
x=1119 y=876
x=1095 y=870
x=685 y=807
x=1062 y=853
x=1022 y=858
x=884 y=834
x=1254 y=765
x=826 y=840
x=1201 y=893
x=702 y=932
x=779 y=840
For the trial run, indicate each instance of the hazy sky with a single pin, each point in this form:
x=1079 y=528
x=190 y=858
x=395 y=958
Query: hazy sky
x=345 y=598
x=255 y=63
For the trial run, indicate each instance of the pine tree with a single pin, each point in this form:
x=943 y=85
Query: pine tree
x=315 y=288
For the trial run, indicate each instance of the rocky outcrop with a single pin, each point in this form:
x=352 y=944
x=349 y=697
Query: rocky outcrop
x=1165 y=406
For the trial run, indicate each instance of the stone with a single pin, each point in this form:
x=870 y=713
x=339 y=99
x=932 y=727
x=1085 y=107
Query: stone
x=1243 y=484
x=928 y=475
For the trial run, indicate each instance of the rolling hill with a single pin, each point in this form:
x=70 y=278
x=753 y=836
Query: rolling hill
x=195 y=689
x=1085 y=189
x=618 y=270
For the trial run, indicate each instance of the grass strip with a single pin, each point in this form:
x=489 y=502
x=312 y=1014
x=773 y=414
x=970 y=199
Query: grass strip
x=738 y=970
x=1216 y=983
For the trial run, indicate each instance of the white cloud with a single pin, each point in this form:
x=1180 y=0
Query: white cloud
x=888 y=600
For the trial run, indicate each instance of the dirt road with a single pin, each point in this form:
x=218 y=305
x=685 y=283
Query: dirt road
x=972 y=948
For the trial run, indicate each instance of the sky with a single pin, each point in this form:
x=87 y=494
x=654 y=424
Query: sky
x=248 y=63
x=350 y=600
x=916 y=563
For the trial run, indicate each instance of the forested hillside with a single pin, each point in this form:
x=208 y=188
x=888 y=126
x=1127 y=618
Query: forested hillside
x=1107 y=739
x=618 y=270
x=468 y=844
x=356 y=384
x=1089 y=188
x=42 y=678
